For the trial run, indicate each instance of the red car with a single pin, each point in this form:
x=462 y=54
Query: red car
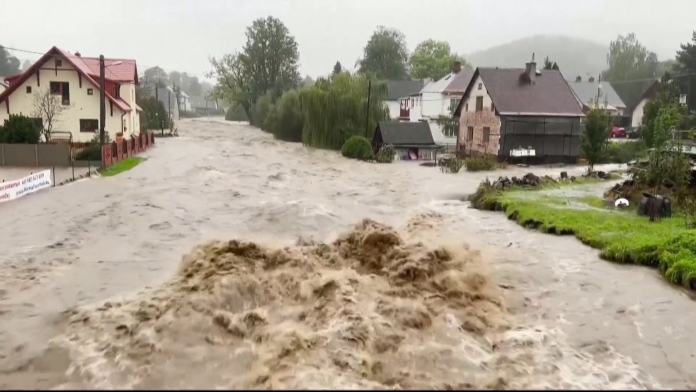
x=618 y=132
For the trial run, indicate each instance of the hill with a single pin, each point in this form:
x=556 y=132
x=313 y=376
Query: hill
x=575 y=56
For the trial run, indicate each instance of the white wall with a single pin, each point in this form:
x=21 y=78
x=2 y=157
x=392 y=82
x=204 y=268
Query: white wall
x=475 y=92
x=394 y=109
x=131 y=120
x=82 y=106
x=638 y=113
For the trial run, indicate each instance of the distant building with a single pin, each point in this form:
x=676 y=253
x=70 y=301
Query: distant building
x=203 y=104
x=397 y=90
x=506 y=108
x=590 y=90
x=437 y=99
x=167 y=96
x=638 y=108
x=411 y=140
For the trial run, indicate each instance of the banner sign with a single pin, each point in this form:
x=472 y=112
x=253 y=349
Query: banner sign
x=12 y=190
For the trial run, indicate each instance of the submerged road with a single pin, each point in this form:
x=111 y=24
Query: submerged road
x=105 y=237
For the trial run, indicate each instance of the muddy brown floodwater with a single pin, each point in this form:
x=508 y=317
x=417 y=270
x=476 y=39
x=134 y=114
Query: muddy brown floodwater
x=328 y=273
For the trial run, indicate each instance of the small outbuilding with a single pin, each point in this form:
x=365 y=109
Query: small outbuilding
x=411 y=140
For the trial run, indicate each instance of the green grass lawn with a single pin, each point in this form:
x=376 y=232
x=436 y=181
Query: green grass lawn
x=122 y=166
x=622 y=236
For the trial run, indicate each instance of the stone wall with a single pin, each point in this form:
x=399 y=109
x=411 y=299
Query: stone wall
x=479 y=120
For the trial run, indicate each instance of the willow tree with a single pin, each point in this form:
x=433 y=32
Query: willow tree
x=336 y=109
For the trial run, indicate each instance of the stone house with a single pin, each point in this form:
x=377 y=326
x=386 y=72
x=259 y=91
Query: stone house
x=507 y=108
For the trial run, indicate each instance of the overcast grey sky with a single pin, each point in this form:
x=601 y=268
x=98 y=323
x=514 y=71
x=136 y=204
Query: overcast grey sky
x=181 y=34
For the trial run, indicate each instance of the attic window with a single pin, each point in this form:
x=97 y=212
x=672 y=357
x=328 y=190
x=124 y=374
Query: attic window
x=59 y=63
x=480 y=86
x=90 y=91
x=28 y=89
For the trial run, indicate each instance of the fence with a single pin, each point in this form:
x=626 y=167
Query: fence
x=122 y=149
x=37 y=155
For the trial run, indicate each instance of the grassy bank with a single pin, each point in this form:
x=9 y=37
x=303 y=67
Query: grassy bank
x=122 y=166
x=622 y=236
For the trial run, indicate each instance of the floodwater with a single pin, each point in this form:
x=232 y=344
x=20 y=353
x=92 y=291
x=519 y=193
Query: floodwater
x=96 y=291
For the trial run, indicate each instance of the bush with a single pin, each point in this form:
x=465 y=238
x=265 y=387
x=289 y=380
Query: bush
x=261 y=110
x=623 y=152
x=357 y=147
x=19 y=129
x=93 y=150
x=288 y=120
x=385 y=154
x=482 y=163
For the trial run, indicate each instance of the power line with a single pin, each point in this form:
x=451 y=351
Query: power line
x=77 y=57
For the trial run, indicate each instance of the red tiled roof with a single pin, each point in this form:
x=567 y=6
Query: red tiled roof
x=124 y=72
x=81 y=66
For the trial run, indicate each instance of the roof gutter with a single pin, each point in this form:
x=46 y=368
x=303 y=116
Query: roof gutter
x=542 y=114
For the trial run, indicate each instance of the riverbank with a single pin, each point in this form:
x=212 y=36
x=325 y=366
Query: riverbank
x=621 y=235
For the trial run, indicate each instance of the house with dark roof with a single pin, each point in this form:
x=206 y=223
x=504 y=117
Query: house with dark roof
x=440 y=98
x=504 y=109
x=74 y=81
x=411 y=140
x=397 y=92
x=591 y=90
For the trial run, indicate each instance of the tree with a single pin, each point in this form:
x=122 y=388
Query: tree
x=335 y=109
x=9 y=64
x=337 y=69
x=385 y=56
x=175 y=78
x=631 y=66
x=268 y=63
x=650 y=130
x=194 y=87
x=433 y=59
x=596 y=135
x=49 y=108
x=156 y=75
x=154 y=114
x=307 y=81
x=686 y=64
x=548 y=65
x=19 y=129
x=26 y=65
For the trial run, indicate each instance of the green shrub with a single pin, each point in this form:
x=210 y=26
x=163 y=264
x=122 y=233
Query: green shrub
x=385 y=154
x=482 y=163
x=454 y=165
x=19 y=129
x=622 y=152
x=93 y=151
x=261 y=110
x=357 y=147
x=289 y=120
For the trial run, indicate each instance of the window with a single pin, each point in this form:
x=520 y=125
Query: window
x=117 y=91
x=90 y=91
x=89 y=125
x=59 y=63
x=470 y=133
x=492 y=107
x=28 y=89
x=479 y=104
x=486 y=134
x=62 y=89
x=466 y=107
x=454 y=102
x=480 y=86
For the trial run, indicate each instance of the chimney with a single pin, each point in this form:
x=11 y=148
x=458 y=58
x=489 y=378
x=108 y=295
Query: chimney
x=530 y=70
x=591 y=79
x=578 y=79
x=77 y=54
x=456 y=67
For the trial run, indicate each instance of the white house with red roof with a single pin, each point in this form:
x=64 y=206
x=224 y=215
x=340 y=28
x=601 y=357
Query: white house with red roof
x=75 y=79
x=439 y=98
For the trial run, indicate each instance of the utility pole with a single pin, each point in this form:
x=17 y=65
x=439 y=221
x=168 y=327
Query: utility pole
x=599 y=88
x=169 y=104
x=367 y=118
x=102 y=101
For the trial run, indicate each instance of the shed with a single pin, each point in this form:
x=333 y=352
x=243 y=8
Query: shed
x=411 y=140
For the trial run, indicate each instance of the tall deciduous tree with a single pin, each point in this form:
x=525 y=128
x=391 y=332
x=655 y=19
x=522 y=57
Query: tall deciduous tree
x=9 y=64
x=595 y=137
x=433 y=59
x=631 y=66
x=385 y=56
x=156 y=75
x=268 y=63
x=175 y=78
